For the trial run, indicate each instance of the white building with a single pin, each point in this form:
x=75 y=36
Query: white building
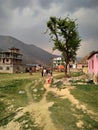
x=58 y=61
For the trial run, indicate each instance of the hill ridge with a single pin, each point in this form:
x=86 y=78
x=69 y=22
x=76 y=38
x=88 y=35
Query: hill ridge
x=31 y=53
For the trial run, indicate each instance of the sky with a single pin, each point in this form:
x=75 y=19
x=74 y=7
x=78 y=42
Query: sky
x=26 y=20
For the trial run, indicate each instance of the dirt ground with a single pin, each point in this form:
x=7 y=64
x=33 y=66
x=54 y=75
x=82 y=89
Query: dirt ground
x=39 y=111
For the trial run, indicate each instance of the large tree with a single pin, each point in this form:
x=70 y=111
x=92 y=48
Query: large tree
x=65 y=36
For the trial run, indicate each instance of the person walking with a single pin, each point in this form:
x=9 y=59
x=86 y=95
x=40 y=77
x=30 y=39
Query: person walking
x=42 y=72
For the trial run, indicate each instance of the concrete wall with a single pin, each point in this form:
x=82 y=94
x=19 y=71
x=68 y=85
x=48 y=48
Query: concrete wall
x=6 y=68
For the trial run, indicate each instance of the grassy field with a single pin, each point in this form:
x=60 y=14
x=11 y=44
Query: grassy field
x=65 y=115
x=87 y=94
x=17 y=91
x=13 y=93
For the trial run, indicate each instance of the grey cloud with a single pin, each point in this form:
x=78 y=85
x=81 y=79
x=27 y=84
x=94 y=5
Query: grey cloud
x=8 y=6
x=5 y=16
x=88 y=26
x=74 y=5
x=3 y=10
x=32 y=35
x=18 y=3
x=47 y=3
x=69 y=5
x=87 y=47
x=88 y=32
x=31 y=31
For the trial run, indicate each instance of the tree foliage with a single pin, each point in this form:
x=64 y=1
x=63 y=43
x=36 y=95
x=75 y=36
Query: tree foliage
x=65 y=36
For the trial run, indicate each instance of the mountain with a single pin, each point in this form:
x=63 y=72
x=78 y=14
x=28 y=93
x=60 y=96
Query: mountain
x=31 y=53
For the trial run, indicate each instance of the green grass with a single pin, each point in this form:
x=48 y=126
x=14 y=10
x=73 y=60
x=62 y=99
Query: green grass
x=13 y=93
x=51 y=97
x=62 y=116
x=27 y=122
x=10 y=90
x=65 y=115
x=8 y=77
x=37 y=91
x=2 y=109
x=5 y=120
x=61 y=112
x=76 y=74
x=9 y=95
x=87 y=94
x=5 y=115
x=58 y=75
x=11 y=86
x=74 y=82
x=58 y=84
x=89 y=123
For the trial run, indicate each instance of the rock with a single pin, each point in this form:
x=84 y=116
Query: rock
x=35 y=90
x=21 y=92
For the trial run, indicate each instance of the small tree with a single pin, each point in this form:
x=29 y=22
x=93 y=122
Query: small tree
x=64 y=34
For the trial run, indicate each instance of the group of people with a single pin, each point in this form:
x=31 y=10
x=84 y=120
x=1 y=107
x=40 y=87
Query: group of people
x=45 y=72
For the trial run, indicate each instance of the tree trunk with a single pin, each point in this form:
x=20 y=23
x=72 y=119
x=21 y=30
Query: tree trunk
x=66 y=70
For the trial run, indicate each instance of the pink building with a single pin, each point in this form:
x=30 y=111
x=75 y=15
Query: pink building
x=93 y=64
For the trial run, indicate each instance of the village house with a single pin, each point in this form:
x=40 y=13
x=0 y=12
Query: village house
x=93 y=66
x=33 y=67
x=83 y=64
x=11 y=61
x=58 y=63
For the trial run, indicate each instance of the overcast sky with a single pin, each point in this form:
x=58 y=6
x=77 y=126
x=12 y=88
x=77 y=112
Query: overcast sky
x=26 y=20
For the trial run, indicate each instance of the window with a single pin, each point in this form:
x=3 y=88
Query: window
x=0 y=55
x=92 y=64
x=97 y=56
x=1 y=68
x=7 y=68
x=7 y=60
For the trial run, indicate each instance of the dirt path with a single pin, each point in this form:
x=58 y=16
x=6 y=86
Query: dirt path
x=39 y=111
x=42 y=115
